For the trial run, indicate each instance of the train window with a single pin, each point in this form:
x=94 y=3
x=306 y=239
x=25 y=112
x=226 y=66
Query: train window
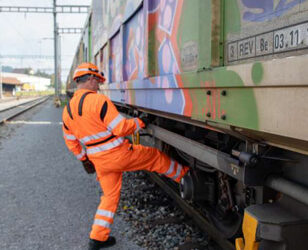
x=133 y=47
x=96 y=60
x=101 y=58
x=83 y=53
x=104 y=60
x=115 y=59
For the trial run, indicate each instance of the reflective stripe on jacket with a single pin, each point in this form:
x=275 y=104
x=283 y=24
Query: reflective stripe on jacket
x=92 y=120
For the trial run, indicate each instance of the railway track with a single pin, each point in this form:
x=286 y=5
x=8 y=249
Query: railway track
x=12 y=111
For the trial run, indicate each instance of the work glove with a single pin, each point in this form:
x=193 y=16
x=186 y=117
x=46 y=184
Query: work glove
x=147 y=119
x=88 y=166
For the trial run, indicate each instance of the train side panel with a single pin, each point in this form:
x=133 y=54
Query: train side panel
x=179 y=68
x=210 y=61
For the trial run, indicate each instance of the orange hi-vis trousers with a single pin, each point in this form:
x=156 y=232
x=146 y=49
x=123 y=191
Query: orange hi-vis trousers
x=109 y=168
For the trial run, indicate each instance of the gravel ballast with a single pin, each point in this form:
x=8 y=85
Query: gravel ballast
x=155 y=221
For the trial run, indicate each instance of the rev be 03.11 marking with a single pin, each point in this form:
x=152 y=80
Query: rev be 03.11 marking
x=276 y=41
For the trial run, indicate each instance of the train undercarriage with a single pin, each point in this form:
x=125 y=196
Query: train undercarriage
x=240 y=184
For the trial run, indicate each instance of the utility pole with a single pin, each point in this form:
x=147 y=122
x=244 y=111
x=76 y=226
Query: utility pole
x=59 y=65
x=62 y=9
x=55 y=28
x=1 y=94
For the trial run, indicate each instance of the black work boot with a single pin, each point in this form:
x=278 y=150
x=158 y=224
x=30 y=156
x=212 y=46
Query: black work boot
x=96 y=244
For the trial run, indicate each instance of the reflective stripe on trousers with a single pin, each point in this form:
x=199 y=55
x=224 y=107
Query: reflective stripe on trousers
x=171 y=170
x=105 y=213
x=102 y=222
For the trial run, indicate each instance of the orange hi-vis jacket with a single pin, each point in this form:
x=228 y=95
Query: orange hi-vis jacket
x=93 y=120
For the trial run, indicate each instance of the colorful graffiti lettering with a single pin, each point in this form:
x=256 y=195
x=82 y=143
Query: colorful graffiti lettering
x=134 y=47
x=269 y=10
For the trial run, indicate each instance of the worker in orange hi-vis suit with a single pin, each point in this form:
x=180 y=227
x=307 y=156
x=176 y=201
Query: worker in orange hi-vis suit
x=94 y=131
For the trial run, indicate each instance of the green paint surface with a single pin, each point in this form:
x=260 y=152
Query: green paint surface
x=232 y=22
x=152 y=52
x=195 y=27
x=257 y=73
x=239 y=104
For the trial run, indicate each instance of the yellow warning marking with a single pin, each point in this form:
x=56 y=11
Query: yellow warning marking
x=249 y=228
x=239 y=244
x=136 y=138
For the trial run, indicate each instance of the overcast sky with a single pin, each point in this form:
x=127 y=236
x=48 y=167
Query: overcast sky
x=25 y=34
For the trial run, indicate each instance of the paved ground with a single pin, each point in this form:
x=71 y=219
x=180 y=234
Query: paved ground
x=47 y=201
x=10 y=102
x=7 y=98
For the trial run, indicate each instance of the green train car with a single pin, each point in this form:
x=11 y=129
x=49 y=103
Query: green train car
x=226 y=82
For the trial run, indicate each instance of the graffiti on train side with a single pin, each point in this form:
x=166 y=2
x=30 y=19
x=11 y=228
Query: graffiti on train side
x=164 y=28
x=270 y=9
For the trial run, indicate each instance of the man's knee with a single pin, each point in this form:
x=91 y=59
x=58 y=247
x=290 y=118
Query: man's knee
x=110 y=198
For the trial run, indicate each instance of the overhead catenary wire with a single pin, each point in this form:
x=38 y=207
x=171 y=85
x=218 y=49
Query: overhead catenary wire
x=62 y=6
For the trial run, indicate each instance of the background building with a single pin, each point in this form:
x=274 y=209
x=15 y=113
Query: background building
x=10 y=85
x=30 y=82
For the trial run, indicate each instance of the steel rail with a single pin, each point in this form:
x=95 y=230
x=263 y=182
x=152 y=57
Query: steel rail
x=20 y=104
x=200 y=220
x=35 y=103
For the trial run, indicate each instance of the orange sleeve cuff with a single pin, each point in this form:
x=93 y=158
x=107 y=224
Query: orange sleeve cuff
x=142 y=125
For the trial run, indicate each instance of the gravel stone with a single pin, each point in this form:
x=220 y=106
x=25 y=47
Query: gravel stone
x=142 y=203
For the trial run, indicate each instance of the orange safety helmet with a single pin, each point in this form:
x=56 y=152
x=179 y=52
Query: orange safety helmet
x=87 y=68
